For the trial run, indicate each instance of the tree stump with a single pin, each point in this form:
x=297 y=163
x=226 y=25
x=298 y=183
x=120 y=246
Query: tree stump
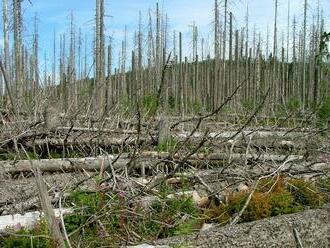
x=163 y=131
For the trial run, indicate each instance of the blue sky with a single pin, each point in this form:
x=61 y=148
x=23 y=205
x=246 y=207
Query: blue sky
x=54 y=15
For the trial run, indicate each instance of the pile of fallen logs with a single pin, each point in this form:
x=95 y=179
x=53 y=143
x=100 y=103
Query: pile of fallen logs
x=137 y=157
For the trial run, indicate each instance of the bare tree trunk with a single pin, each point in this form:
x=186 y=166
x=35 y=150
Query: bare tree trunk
x=123 y=65
x=109 y=95
x=247 y=89
x=35 y=85
x=215 y=86
x=181 y=87
x=4 y=73
x=99 y=53
x=225 y=85
x=63 y=75
x=18 y=48
x=141 y=86
x=72 y=65
x=274 y=79
x=5 y=23
x=151 y=56
x=230 y=58
x=303 y=86
x=294 y=58
x=288 y=92
x=317 y=52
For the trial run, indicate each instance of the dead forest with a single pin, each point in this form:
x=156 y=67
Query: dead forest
x=168 y=139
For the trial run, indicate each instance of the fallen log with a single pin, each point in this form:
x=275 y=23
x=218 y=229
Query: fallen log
x=238 y=144
x=246 y=133
x=90 y=141
x=146 y=159
x=223 y=156
x=93 y=130
x=55 y=165
x=27 y=221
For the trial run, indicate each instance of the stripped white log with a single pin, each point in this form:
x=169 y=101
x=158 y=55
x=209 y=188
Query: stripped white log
x=148 y=159
x=245 y=133
x=53 y=165
x=59 y=142
x=224 y=156
x=28 y=221
x=89 y=141
x=86 y=129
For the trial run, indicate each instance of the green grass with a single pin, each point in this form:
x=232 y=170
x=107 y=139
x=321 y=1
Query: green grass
x=168 y=146
x=120 y=219
x=36 y=238
x=272 y=198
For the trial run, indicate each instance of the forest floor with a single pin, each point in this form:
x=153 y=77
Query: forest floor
x=169 y=182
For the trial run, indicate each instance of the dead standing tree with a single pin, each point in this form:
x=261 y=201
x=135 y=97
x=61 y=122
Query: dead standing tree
x=99 y=54
x=5 y=23
x=215 y=86
x=17 y=14
x=7 y=85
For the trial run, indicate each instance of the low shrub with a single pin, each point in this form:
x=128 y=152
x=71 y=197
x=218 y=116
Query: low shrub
x=275 y=196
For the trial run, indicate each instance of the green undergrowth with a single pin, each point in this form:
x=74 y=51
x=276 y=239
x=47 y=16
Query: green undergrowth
x=111 y=219
x=106 y=219
x=37 y=238
x=14 y=156
x=168 y=146
x=271 y=198
x=323 y=112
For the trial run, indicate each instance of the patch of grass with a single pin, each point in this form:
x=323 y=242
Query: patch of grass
x=149 y=104
x=171 y=211
x=171 y=102
x=14 y=156
x=248 y=105
x=38 y=238
x=165 y=217
x=259 y=207
x=88 y=204
x=293 y=104
x=195 y=106
x=272 y=185
x=283 y=203
x=7 y=156
x=273 y=197
x=88 y=201
x=168 y=146
x=305 y=193
x=324 y=111
x=323 y=186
